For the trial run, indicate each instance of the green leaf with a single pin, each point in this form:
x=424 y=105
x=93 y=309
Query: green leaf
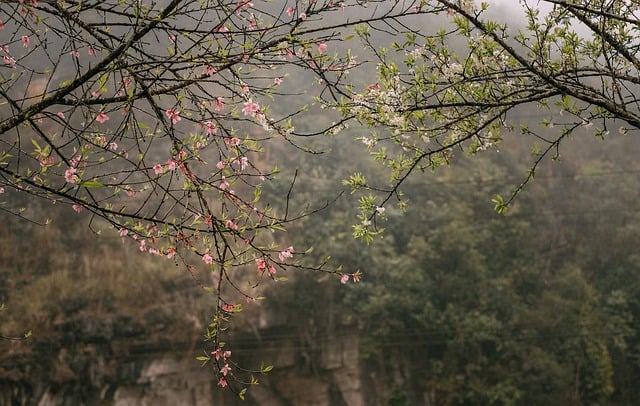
x=91 y=184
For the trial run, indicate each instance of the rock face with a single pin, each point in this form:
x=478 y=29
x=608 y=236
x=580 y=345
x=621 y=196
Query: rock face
x=103 y=374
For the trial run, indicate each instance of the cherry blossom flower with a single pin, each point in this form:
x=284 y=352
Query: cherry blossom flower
x=157 y=169
x=224 y=185
x=225 y=369
x=219 y=103
x=113 y=146
x=232 y=142
x=172 y=165
x=227 y=354
x=277 y=81
x=70 y=175
x=322 y=47
x=209 y=70
x=102 y=117
x=9 y=60
x=171 y=252
x=75 y=53
x=222 y=382
x=231 y=225
x=217 y=353
x=227 y=307
x=77 y=208
x=242 y=161
x=223 y=29
x=123 y=232
x=25 y=41
x=207 y=259
x=250 y=108
x=91 y=51
x=220 y=165
x=356 y=277
x=211 y=127
x=60 y=114
x=272 y=270
x=1 y=190
x=174 y=115
x=1 y=25
x=262 y=264
x=284 y=255
x=303 y=16
x=143 y=245
x=344 y=279
x=290 y=11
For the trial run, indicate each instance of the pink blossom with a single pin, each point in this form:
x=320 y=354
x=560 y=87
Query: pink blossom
x=231 y=225
x=277 y=81
x=356 y=277
x=244 y=88
x=75 y=53
x=243 y=162
x=77 y=208
x=272 y=270
x=222 y=382
x=1 y=190
x=225 y=369
x=209 y=70
x=60 y=114
x=290 y=11
x=223 y=29
x=9 y=60
x=1 y=25
x=250 y=108
x=174 y=115
x=232 y=142
x=220 y=165
x=217 y=353
x=143 y=245
x=95 y=93
x=91 y=51
x=344 y=279
x=113 y=146
x=219 y=103
x=211 y=127
x=102 y=117
x=303 y=16
x=262 y=264
x=123 y=231
x=157 y=169
x=25 y=41
x=224 y=185
x=322 y=47
x=70 y=175
x=284 y=255
x=207 y=259
x=171 y=252
x=172 y=165
x=227 y=354
x=227 y=307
